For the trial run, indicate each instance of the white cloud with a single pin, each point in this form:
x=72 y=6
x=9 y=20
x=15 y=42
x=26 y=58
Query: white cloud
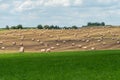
x=57 y=3
x=107 y=1
x=4 y=6
x=21 y=6
x=78 y=2
x=61 y=12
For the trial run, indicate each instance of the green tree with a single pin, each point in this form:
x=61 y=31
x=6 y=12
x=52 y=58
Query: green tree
x=74 y=27
x=19 y=26
x=103 y=23
x=13 y=27
x=89 y=24
x=46 y=27
x=57 y=27
x=96 y=24
x=7 y=27
x=65 y=27
x=39 y=27
x=52 y=27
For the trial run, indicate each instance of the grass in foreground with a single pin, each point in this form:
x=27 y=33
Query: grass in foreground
x=86 y=65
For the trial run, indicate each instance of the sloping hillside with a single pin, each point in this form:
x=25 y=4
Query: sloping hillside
x=60 y=40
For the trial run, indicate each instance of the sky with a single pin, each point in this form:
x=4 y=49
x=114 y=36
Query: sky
x=30 y=13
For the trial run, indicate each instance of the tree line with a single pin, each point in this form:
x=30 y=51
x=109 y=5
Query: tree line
x=95 y=24
x=41 y=27
x=89 y=24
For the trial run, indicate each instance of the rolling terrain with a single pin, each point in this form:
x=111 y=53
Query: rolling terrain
x=34 y=40
x=82 y=54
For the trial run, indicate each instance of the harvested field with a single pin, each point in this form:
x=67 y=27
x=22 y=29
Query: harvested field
x=34 y=40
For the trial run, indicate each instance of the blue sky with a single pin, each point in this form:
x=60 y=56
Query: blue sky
x=58 y=12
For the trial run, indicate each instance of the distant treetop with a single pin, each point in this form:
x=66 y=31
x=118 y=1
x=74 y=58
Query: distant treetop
x=90 y=24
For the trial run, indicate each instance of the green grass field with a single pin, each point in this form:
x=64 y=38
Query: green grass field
x=86 y=65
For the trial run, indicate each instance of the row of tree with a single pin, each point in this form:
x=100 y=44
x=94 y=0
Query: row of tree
x=41 y=27
x=55 y=27
x=15 y=27
x=48 y=27
x=90 y=24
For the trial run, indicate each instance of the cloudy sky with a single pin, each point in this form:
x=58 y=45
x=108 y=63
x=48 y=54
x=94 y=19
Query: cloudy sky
x=58 y=12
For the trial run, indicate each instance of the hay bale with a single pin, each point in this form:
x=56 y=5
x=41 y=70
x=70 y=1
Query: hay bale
x=41 y=43
x=13 y=43
x=38 y=40
x=43 y=50
x=48 y=50
x=99 y=40
x=93 y=48
x=1 y=42
x=3 y=48
x=84 y=47
x=118 y=42
x=73 y=44
x=33 y=39
x=79 y=46
x=64 y=41
x=104 y=43
x=21 y=50
x=52 y=48
x=87 y=41
x=21 y=44
x=57 y=44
